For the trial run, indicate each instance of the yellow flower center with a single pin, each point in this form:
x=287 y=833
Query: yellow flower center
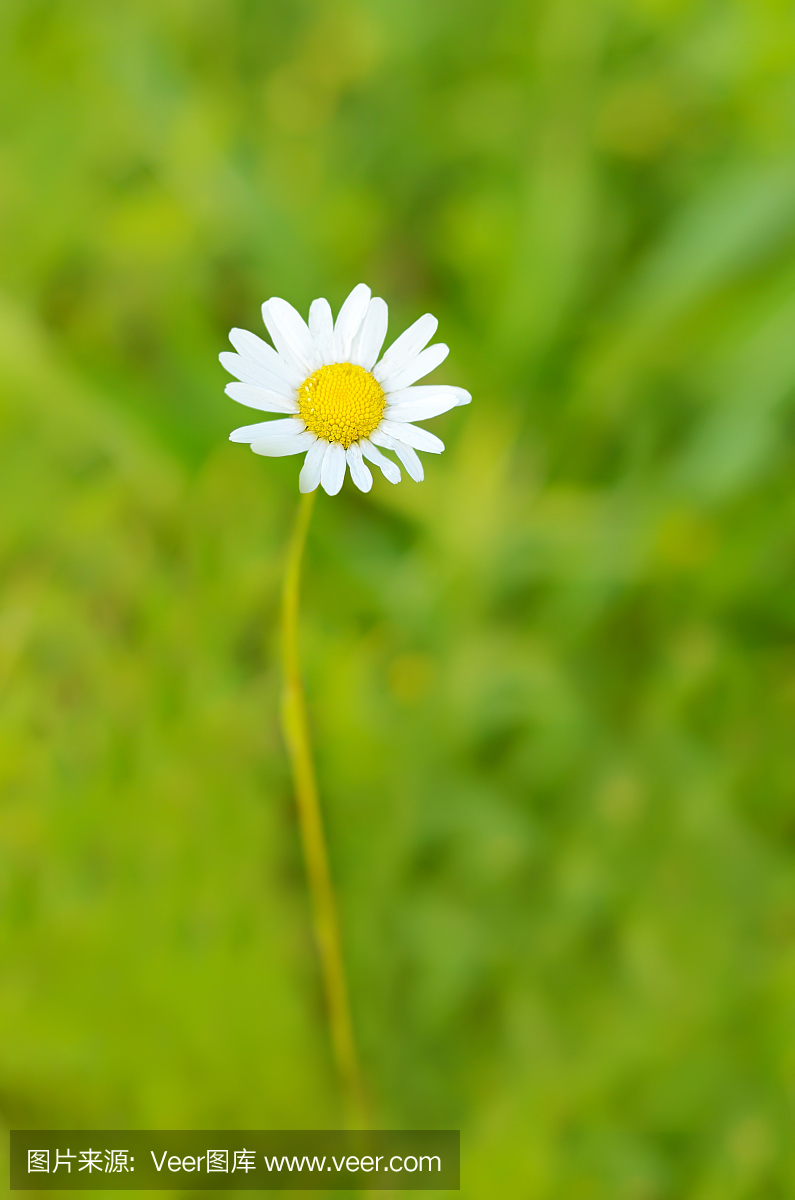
x=341 y=403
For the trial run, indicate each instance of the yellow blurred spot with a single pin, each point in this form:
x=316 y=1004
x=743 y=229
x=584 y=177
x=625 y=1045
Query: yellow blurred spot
x=410 y=676
x=636 y=120
x=685 y=539
x=149 y=228
x=694 y=653
x=750 y=1143
x=341 y=403
x=340 y=49
x=620 y=798
x=296 y=104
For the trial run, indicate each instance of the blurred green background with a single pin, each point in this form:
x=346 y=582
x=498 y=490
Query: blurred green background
x=552 y=687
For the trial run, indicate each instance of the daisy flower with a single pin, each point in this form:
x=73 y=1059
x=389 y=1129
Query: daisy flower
x=340 y=403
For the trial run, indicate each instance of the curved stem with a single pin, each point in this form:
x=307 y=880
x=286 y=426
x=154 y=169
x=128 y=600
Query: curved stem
x=295 y=726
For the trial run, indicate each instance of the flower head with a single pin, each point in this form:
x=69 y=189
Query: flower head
x=340 y=406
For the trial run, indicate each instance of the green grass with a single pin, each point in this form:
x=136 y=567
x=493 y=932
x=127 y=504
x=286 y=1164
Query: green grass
x=552 y=687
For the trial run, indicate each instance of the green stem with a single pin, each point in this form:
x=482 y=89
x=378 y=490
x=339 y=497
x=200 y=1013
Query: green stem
x=295 y=726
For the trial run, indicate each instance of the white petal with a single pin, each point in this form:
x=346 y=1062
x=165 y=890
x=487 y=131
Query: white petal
x=349 y=318
x=290 y=427
x=243 y=368
x=411 y=461
x=321 y=326
x=370 y=338
x=254 y=373
x=390 y=470
x=412 y=435
x=253 y=347
x=407 y=456
x=332 y=472
x=290 y=334
x=360 y=474
x=321 y=321
x=413 y=370
x=279 y=447
x=408 y=345
x=310 y=471
x=420 y=403
x=262 y=398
